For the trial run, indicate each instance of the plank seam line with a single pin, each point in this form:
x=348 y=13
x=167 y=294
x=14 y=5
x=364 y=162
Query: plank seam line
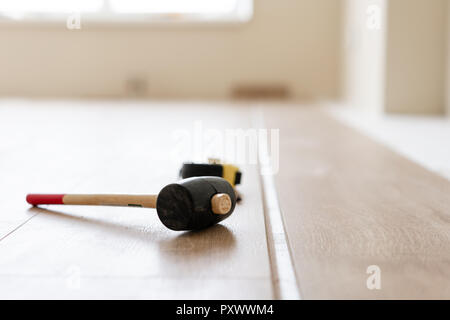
x=18 y=227
x=283 y=275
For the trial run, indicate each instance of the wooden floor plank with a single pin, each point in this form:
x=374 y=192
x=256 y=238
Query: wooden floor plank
x=122 y=252
x=133 y=288
x=349 y=203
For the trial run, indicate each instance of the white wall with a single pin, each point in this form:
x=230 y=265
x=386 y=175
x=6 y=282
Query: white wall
x=364 y=54
x=292 y=42
x=448 y=58
x=401 y=67
x=416 y=61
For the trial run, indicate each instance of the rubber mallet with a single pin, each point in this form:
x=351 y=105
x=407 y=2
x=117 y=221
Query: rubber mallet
x=190 y=204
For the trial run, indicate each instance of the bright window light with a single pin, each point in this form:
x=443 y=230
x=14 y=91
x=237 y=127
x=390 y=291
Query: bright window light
x=51 y=6
x=174 y=6
x=128 y=10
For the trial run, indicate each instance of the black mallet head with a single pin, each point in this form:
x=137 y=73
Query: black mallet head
x=195 y=203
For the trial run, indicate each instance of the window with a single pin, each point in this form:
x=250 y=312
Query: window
x=128 y=10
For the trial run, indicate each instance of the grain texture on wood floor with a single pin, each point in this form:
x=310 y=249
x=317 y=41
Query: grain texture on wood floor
x=349 y=203
x=107 y=252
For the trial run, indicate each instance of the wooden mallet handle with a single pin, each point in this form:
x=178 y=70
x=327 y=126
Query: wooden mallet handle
x=220 y=203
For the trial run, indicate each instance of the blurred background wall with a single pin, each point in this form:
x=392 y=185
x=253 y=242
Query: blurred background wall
x=399 y=67
x=289 y=43
x=448 y=58
x=309 y=49
x=416 y=56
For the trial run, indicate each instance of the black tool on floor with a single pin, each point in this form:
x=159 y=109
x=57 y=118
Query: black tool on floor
x=189 y=204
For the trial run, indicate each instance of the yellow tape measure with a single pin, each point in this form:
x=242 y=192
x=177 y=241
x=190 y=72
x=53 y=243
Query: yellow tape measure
x=229 y=172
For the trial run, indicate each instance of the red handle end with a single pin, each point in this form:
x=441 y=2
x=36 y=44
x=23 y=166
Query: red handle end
x=35 y=199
